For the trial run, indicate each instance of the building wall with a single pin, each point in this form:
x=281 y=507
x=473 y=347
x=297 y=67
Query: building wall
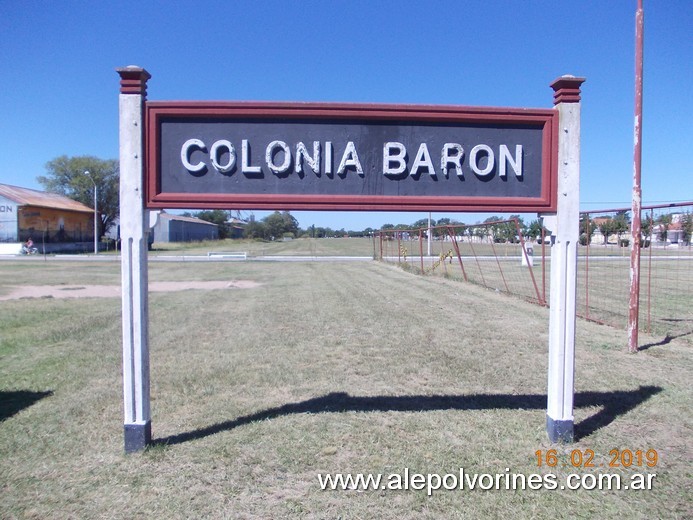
x=181 y=231
x=173 y=230
x=160 y=230
x=54 y=225
x=8 y=220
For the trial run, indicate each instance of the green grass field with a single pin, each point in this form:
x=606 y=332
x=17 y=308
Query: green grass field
x=323 y=367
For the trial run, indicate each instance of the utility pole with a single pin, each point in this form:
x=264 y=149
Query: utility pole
x=634 y=302
x=96 y=214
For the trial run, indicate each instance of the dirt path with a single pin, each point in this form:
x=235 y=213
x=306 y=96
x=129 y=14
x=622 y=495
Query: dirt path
x=113 y=291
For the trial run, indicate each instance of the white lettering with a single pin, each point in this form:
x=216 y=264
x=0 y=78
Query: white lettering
x=270 y=153
x=423 y=159
x=489 y=481
x=589 y=481
x=394 y=482
x=474 y=162
x=447 y=158
x=569 y=481
x=185 y=153
x=245 y=159
x=302 y=153
x=484 y=161
x=350 y=158
x=328 y=157
x=217 y=149
x=514 y=162
x=389 y=157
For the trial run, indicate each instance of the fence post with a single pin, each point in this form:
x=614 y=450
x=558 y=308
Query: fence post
x=133 y=226
x=453 y=237
x=421 y=251
x=530 y=265
x=565 y=227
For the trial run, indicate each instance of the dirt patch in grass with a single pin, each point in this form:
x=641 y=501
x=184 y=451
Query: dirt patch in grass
x=113 y=291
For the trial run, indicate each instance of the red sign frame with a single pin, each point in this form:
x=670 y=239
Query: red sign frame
x=546 y=119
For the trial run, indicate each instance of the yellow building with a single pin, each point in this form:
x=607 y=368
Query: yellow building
x=46 y=218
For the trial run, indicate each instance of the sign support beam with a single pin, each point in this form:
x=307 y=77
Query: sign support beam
x=565 y=230
x=133 y=226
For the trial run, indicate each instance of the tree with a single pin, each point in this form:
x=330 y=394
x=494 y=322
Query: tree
x=422 y=223
x=280 y=224
x=646 y=226
x=587 y=229
x=492 y=229
x=65 y=176
x=621 y=223
x=218 y=217
x=255 y=229
x=323 y=232
x=687 y=227
x=291 y=226
x=511 y=229
x=664 y=222
x=504 y=230
x=606 y=227
x=443 y=231
x=534 y=230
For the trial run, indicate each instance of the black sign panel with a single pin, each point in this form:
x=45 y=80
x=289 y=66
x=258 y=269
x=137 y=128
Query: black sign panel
x=365 y=157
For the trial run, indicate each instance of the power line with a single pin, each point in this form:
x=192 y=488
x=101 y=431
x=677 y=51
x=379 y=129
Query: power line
x=649 y=202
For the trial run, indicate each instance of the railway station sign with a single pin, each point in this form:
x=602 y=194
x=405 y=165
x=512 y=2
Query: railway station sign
x=312 y=156
x=319 y=156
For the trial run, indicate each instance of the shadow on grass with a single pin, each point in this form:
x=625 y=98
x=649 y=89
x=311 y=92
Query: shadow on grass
x=613 y=404
x=14 y=401
x=667 y=339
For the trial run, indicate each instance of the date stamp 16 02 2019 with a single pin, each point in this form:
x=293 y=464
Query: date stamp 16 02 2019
x=585 y=458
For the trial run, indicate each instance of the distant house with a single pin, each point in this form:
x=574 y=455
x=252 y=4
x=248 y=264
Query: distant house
x=595 y=225
x=613 y=238
x=46 y=218
x=673 y=231
x=235 y=227
x=176 y=228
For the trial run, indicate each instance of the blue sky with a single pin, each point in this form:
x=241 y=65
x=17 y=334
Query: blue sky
x=60 y=91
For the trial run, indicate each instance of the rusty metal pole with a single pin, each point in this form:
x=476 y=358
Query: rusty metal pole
x=634 y=302
x=587 y=269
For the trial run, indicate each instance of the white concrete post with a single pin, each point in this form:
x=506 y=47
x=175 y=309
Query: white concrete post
x=133 y=230
x=565 y=229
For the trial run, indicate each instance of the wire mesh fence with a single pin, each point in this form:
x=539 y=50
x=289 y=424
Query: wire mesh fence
x=498 y=255
x=493 y=254
x=666 y=268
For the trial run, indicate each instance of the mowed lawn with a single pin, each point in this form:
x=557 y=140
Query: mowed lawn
x=322 y=368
